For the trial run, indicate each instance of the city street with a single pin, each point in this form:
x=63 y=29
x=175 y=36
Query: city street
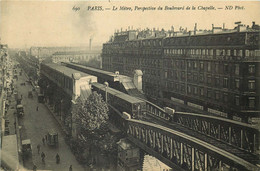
x=35 y=125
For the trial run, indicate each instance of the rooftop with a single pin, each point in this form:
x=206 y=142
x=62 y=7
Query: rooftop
x=76 y=52
x=138 y=34
x=67 y=71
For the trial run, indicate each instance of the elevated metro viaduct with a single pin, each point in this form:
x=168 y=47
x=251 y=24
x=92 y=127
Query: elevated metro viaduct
x=235 y=140
x=61 y=85
x=241 y=135
x=119 y=82
x=182 y=151
x=186 y=151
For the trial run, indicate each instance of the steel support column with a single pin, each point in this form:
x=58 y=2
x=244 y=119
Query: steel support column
x=229 y=135
x=220 y=166
x=192 y=159
x=206 y=162
x=242 y=136
x=181 y=153
x=171 y=149
x=219 y=133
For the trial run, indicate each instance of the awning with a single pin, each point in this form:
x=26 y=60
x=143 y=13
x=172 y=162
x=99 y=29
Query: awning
x=9 y=152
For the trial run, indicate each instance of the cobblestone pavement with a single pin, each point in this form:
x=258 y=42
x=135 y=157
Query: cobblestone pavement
x=35 y=125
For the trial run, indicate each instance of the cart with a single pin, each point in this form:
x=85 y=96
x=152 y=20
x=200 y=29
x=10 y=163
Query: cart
x=52 y=138
x=20 y=111
x=26 y=148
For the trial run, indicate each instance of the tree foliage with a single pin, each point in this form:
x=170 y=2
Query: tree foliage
x=91 y=117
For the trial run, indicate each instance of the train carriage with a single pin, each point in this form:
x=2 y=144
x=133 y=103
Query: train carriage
x=121 y=101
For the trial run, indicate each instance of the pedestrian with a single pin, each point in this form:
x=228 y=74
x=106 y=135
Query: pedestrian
x=37 y=108
x=43 y=157
x=43 y=141
x=46 y=137
x=70 y=169
x=57 y=158
x=34 y=167
x=38 y=148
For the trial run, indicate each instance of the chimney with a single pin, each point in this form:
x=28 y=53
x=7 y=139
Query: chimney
x=223 y=26
x=253 y=24
x=195 y=28
x=90 y=40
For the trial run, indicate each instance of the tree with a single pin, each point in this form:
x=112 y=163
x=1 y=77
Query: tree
x=91 y=117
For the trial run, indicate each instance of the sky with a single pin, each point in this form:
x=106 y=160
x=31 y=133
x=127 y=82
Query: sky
x=55 y=23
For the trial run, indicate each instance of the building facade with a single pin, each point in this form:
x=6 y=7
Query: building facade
x=75 y=56
x=207 y=71
x=44 y=52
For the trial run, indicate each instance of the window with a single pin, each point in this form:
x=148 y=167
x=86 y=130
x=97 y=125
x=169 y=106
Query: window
x=195 y=65
x=225 y=68
x=189 y=64
x=201 y=66
x=165 y=74
x=189 y=76
x=217 y=52
x=195 y=77
x=209 y=94
x=209 y=79
x=201 y=91
x=176 y=75
x=203 y=51
x=211 y=52
x=237 y=100
x=201 y=78
x=251 y=102
x=177 y=87
x=209 y=67
x=182 y=88
x=216 y=67
x=217 y=81
x=251 y=84
x=237 y=69
x=182 y=74
x=225 y=84
x=189 y=89
x=228 y=52
x=225 y=97
x=240 y=53
x=217 y=95
x=237 y=83
x=251 y=69
x=247 y=53
x=195 y=90
x=235 y=52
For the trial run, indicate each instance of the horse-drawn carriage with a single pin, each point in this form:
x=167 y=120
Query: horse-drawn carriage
x=52 y=138
x=26 y=149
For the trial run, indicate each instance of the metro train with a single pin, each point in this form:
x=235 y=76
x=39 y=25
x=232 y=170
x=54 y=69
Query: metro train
x=121 y=101
x=135 y=107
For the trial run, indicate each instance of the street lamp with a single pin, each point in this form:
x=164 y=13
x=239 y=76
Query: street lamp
x=106 y=84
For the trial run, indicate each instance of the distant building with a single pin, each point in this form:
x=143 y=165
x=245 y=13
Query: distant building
x=75 y=56
x=43 y=52
x=213 y=71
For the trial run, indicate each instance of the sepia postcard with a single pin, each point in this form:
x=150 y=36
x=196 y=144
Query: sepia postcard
x=130 y=85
